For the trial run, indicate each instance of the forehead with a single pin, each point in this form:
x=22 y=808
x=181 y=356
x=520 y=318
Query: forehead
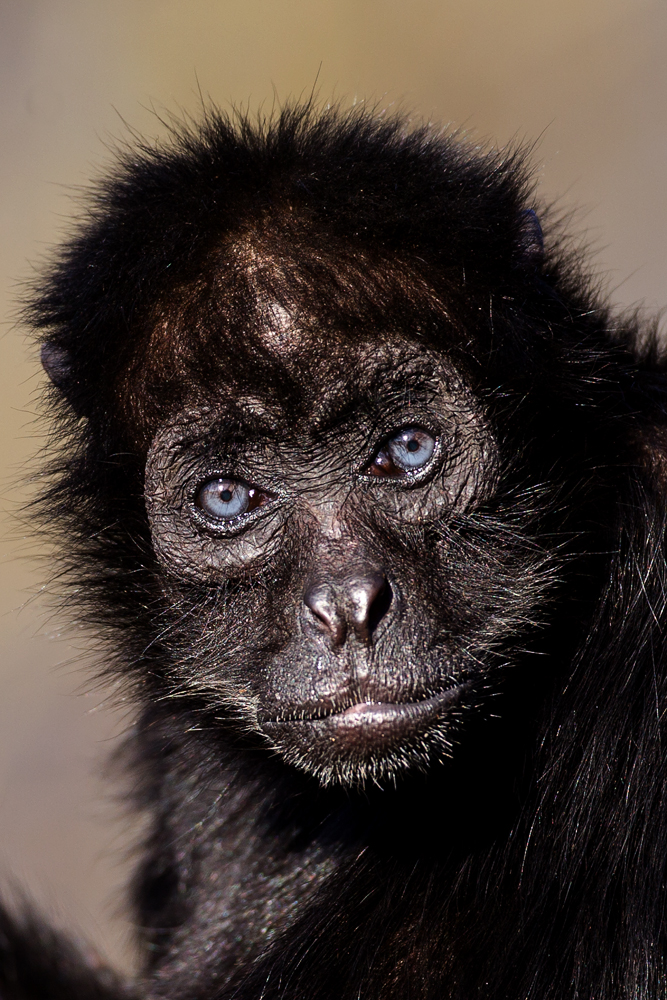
x=245 y=333
x=318 y=378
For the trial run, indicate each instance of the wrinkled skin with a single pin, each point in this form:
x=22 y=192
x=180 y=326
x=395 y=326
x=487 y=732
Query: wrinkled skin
x=363 y=644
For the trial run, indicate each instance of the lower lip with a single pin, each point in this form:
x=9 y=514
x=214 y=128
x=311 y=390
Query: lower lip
x=388 y=713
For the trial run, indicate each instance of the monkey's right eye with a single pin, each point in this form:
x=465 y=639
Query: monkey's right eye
x=225 y=499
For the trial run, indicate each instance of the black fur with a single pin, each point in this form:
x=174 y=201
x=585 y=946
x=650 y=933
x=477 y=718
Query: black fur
x=271 y=304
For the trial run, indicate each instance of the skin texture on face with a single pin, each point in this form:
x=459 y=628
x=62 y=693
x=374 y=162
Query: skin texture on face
x=351 y=639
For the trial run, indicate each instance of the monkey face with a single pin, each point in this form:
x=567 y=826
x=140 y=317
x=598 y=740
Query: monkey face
x=324 y=539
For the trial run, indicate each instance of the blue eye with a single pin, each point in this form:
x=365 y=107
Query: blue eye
x=408 y=450
x=411 y=448
x=224 y=499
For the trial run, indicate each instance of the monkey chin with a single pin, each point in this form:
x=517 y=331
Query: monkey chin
x=369 y=741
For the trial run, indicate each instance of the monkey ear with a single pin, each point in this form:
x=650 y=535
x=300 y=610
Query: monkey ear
x=55 y=363
x=531 y=238
x=58 y=365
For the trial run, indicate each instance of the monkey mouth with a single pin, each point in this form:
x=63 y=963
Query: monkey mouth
x=369 y=722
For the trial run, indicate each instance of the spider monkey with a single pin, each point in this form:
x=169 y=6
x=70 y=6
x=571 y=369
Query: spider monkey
x=363 y=483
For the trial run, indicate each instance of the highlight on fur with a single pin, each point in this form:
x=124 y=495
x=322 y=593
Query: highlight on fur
x=362 y=484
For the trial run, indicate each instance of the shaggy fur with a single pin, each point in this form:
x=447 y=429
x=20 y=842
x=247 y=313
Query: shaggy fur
x=329 y=273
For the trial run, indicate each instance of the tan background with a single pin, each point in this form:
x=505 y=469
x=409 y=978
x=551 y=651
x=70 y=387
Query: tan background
x=586 y=78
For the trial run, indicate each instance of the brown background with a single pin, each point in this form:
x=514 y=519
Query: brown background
x=585 y=78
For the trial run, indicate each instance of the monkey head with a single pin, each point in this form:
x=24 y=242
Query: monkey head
x=320 y=532
x=292 y=394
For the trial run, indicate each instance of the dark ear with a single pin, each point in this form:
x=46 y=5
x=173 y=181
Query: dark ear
x=531 y=239
x=55 y=363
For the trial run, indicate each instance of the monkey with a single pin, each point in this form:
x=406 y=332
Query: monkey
x=361 y=481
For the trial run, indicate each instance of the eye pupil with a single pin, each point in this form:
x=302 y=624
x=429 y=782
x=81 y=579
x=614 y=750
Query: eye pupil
x=226 y=496
x=413 y=445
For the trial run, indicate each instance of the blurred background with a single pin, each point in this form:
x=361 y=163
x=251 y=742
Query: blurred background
x=584 y=80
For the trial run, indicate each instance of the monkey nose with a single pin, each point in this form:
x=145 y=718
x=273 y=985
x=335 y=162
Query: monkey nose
x=356 y=604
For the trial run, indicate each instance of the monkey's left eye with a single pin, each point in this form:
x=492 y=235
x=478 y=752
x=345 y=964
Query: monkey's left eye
x=406 y=451
x=225 y=499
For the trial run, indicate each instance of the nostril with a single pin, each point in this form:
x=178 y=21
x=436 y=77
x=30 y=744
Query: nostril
x=380 y=606
x=370 y=598
x=320 y=600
